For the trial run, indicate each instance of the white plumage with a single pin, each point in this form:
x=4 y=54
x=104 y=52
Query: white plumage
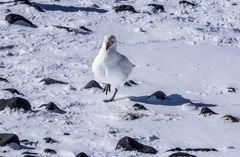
x=110 y=66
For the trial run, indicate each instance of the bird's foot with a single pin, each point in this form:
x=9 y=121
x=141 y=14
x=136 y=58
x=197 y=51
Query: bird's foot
x=107 y=88
x=108 y=100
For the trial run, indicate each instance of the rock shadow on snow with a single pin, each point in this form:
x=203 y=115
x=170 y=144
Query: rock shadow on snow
x=56 y=7
x=173 y=100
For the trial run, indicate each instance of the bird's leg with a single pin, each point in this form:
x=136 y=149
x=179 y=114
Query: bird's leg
x=112 y=98
x=107 y=88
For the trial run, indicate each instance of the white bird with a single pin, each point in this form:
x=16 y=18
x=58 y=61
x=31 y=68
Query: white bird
x=111 y=67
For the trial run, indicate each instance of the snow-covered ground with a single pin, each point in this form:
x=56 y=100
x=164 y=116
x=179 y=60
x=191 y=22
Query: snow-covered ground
x=191 y=54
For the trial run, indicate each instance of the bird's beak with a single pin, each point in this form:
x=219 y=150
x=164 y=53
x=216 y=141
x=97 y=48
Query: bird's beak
x=108 y=44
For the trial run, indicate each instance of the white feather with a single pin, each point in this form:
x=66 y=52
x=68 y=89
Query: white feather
x=110 y=66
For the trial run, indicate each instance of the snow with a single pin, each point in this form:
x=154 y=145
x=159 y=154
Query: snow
x=192 y=55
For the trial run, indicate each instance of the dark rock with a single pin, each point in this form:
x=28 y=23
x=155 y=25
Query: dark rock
x=86 y=29
x=10 y=54
x=52 y=107
x=49 y=81
x=186 y=3
x=231 y=90
x=29 y=155
x=230 y=118
x=153 y=138
x=82 y=30
x=49 y=140
x=82 y=154
x=201 y=149
x=139 y=107
x=159 y=95
x=13 y=91
x=207 y=112
x=175 y=149
x=113 y=131
x=125 y=8
x=3 y=79
x=16 y=102
x=8 y=138
x=92 y=84
x=129 y=144
x=158 y=7
x=181 y=154
x=127 y=84
x=66 y=134
x=130 y=83
x=50 y=151
x=133 y=116
x=193 y=149
x=7 y=47
x=15 y=18
x=28 y=142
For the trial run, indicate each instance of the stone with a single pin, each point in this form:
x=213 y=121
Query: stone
x=53 y=107
x=15 y=18
x=158 y=7
x=49 y=140
x=139 y=107
x=133 y=116
x=159 y=95
x=186 y=3
x=153 y=138
x=130 y=83
x=50 y=106
x=230 y=118
x=207 y=112
x=16 y=102
x=50 y=151
x=192 y=149
x=49 y=81
x=13 y=91
x=92 y=84
x=3 y=79
x=66 y=133
x=81 y=30
x=82 y=154
x=129 y=144
x=125 y=8
x=232 y=90
x=181 y=154
x=6 y=138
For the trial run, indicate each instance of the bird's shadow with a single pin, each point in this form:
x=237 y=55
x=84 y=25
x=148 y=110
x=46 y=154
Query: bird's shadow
x=173 y=100
x=56 y=7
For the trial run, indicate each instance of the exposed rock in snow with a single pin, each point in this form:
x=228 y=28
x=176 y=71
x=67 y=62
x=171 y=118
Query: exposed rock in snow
x=15 y=103
x=8 y=138
x=129 y=144
x=20 y=20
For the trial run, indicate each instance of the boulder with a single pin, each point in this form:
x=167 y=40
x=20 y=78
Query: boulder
x=8 y=138
x=16 y=102
x=129 y=144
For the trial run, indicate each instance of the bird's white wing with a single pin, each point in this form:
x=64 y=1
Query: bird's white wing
x=117 y=68
x=98 y=68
